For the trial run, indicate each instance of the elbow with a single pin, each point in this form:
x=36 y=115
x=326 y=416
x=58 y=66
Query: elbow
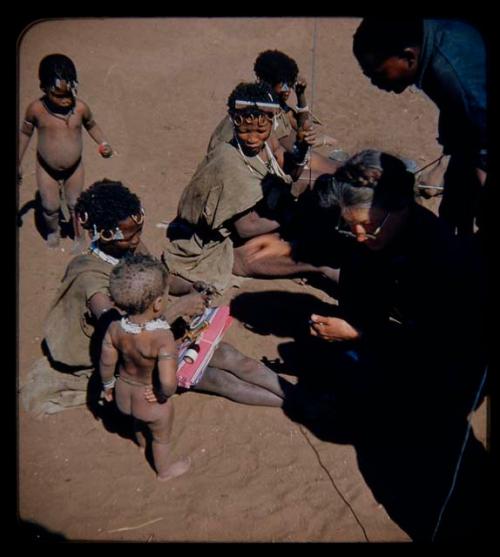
x=169 y=388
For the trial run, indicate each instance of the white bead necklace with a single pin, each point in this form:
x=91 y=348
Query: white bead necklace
x=136 y=328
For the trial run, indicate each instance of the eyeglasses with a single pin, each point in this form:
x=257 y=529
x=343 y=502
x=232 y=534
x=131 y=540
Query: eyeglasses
x=369 y=235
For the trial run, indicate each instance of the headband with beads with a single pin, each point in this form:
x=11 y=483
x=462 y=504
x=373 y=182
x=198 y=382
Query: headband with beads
x=108 y=235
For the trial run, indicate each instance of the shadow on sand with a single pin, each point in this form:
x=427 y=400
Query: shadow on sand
x=407 y=422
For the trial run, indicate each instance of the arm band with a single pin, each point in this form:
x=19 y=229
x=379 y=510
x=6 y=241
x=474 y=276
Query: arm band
x=167 y=357
x=27 y=128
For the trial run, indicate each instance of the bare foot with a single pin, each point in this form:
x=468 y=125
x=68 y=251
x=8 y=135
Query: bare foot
x=175 y=470
x=53 y=239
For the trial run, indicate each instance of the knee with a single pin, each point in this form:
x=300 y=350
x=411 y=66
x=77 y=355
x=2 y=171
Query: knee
x=224 y=350
x=71 y=200
x=50 y=212
x=213 y=380
x=224 y=356
x=161 y=435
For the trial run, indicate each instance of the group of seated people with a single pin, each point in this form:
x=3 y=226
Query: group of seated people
x=242 y=214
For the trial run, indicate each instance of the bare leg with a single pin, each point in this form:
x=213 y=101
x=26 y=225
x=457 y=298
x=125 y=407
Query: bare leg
x=49 y=194
x=161 y=430
x=72 y=188
x=53 y=232
x=228 y=358
x=139 y=434
x=159 y=419
x=226 y=384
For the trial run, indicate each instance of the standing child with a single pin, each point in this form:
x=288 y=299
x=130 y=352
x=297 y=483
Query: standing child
x=59 y=117
x=143 y=345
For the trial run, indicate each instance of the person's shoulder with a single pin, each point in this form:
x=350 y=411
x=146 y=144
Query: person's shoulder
x=164 y=338
x=223 y=154
x=81 y=106
x=87 y=262
x=34 y=108
x=452 y=30
x=114 y=328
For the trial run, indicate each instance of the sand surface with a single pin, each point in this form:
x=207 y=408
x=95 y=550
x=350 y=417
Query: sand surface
x=158 y=87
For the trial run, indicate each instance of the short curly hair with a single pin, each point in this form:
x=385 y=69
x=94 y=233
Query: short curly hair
x=252 y=92
x=370 y=178
x=105 y=204
x=56 y=66
x=136 y=281
x=273 y=67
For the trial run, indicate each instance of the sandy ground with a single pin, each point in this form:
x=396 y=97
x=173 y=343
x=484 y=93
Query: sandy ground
x=158 y=87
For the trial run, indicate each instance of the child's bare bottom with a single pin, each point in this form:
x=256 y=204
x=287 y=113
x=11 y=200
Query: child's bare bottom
x=269 y=255
x=51 y=202
x=159 y=419
x=243 y=379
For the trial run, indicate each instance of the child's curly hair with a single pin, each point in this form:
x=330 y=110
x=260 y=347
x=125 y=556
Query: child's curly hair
x=56 y=66
x=273 y=67
x=136 y=281
x=105 y=204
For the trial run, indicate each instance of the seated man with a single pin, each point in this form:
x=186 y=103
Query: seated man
x=230 y=214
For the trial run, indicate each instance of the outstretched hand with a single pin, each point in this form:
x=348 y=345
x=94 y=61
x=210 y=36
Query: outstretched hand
x=189 y=305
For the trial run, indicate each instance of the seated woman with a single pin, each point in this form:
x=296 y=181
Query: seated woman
x=230 y=215
x=404 y=271
x=80 y=313
x=280 y=72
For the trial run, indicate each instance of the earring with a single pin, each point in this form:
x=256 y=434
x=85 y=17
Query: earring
x=106 y=235
x=138 y=219
x=83 y=218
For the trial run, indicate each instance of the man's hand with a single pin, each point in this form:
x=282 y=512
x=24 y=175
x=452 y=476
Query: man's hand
x=332 y=328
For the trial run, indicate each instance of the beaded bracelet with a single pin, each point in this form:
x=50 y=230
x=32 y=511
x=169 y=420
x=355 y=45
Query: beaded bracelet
x=109 y=384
